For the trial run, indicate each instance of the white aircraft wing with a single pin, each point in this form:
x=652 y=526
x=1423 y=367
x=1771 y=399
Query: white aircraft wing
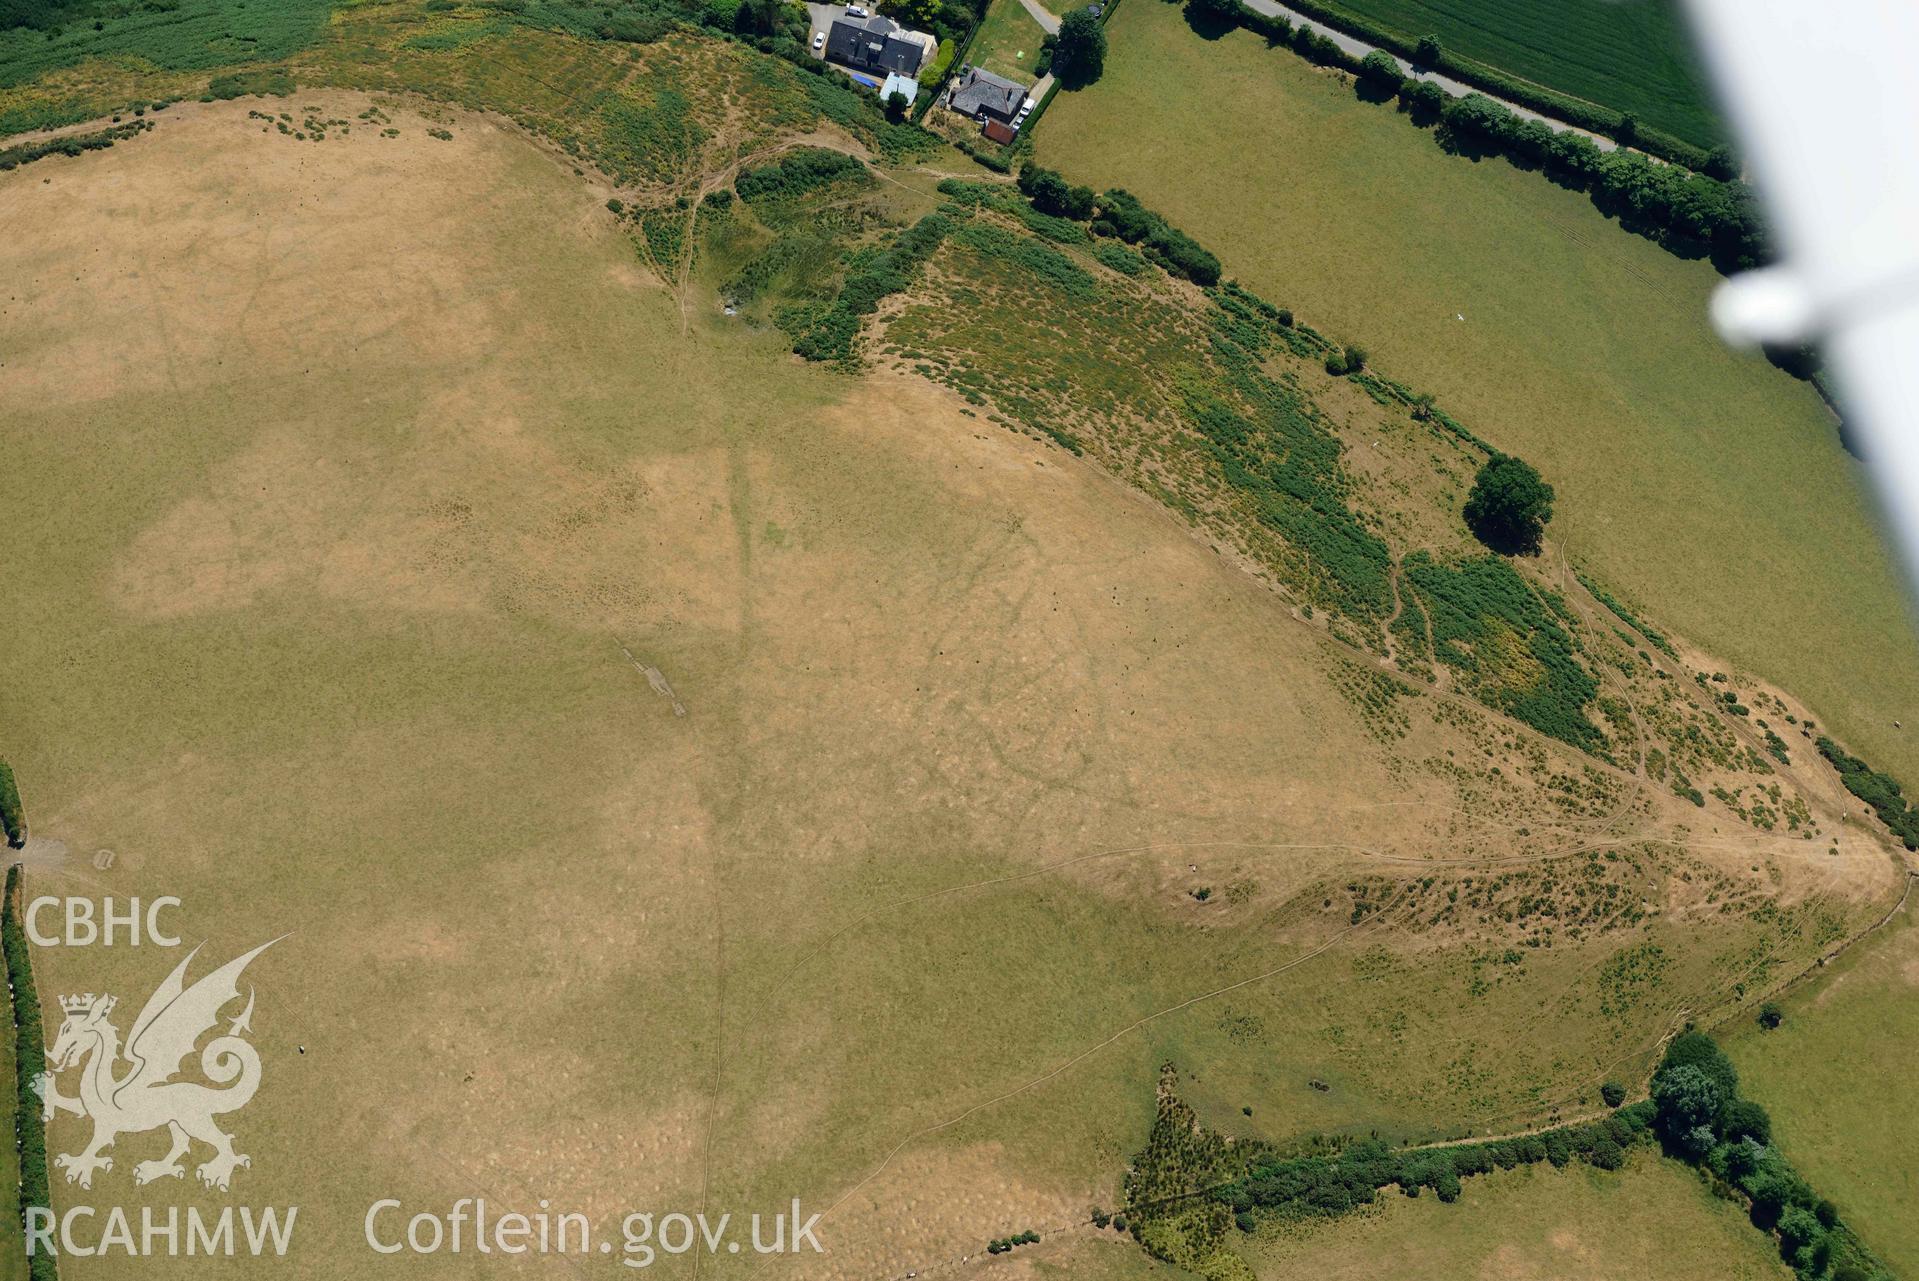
x=1825 y=100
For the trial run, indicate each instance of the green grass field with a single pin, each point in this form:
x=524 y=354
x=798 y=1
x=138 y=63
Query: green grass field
x=1008 y=42
x=1651 y=1220
x=1631 y=55
x=1708 y=487
x=1836 y=1075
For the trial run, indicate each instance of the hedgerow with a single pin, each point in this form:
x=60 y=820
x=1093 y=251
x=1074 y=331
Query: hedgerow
x=1684 y=211
x=1680 y=205
x=1700 y=1119
x=71 y=145
x=1121 y=214
x=1188 y=1189
x=13 y=819
x=1574 y=111
x=29 y=1059
x=1880 y=791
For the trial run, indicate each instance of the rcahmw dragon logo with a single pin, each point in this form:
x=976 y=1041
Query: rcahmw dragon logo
x=145 y=1096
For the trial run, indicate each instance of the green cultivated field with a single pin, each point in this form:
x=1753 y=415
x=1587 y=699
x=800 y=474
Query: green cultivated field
x=1651 y=1220
x=1708 y=486
x=1833 y=1075
x=1632 y=56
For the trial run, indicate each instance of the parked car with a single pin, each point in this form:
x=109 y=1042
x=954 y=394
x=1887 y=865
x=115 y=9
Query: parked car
x=819 y=41
x=855 y=11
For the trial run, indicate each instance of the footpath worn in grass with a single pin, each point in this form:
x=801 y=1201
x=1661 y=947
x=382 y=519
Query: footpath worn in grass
x=1707 y=485
x=1632 y=57
x=1832 y=1075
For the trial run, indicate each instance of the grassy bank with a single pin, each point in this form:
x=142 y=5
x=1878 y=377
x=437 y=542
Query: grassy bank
x=1708 y=485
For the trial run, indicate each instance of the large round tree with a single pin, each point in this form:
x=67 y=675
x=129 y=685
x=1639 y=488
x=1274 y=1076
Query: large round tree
x=1509 y=506
x=1079 y=51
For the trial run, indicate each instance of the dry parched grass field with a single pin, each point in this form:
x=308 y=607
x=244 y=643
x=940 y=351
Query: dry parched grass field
x=690 y=778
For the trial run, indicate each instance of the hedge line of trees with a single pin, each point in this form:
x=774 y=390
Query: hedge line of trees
x=1427 y=54
x=1118 y=213
x=1700 y=1119
x=29 y=1060
x=829 y=335
x=13 y=819
x=1694 y=1113
x=71 y=145
x=1333 y=1185
x=1689 y=213
x=1878 y=790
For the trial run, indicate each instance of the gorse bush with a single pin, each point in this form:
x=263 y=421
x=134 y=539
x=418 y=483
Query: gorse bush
x=175 y=35
x=1119 y=258
x=829 y=336
x=270 y=82
x=1507 y=646
x=1040 y=263
x=799 y=173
